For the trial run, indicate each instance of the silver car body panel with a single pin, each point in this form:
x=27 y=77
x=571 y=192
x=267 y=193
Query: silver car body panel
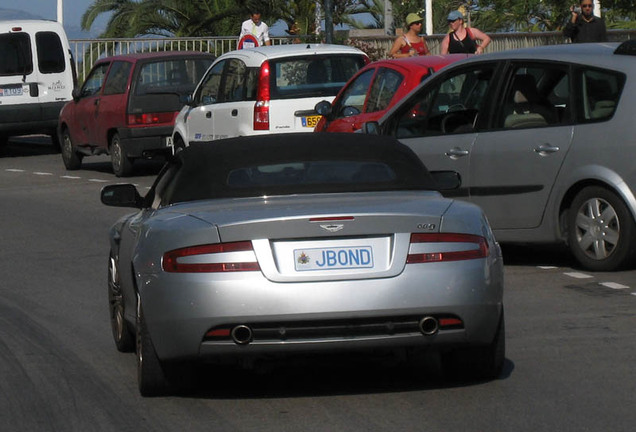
x=181 y=307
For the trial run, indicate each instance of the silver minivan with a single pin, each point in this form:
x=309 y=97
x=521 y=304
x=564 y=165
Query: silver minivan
x=37 y=77
x=545 y=142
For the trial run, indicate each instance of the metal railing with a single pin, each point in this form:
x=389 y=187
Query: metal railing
x=87 y=51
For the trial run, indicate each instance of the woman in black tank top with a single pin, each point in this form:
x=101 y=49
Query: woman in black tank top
x=463 y=39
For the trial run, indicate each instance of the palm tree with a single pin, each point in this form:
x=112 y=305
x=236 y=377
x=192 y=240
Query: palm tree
x=181 y=18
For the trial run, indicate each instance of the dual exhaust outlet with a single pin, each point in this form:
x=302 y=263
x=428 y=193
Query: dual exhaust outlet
x=243 y=335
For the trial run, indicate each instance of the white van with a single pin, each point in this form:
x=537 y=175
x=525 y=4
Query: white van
x=37 y=76
x=263 y=90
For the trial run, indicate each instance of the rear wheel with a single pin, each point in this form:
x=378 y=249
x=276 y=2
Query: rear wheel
x=55 y=140
x=178 y=144
x=151 y=377
x=72 y=160
x=122 y=164
x=122 y=333
x=478 y=362
x=601 y=230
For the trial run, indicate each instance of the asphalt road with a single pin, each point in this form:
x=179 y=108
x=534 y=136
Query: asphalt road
x=571 y=339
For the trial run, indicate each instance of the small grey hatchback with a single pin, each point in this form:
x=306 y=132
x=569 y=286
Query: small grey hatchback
x=544 y=139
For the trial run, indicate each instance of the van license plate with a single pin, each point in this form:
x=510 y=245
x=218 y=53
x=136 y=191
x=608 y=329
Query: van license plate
x=337 y=258
x=11 y=91
x=310 y=121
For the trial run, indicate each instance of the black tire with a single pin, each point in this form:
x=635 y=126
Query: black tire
x=601 y=230
x=478 y=363
x=123 y=334
x=71 y=158
x=151 y=377
x=178 y=144
x=122 y=164
x=55 y=141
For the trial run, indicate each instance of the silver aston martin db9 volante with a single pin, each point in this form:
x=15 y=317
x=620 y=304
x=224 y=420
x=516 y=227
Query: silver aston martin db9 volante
x=301 y=243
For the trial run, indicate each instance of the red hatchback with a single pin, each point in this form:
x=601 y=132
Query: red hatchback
x=127 y=106
x=375 y=88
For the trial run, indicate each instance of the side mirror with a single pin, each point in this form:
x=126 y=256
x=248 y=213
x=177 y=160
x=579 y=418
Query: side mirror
x=76 y=93
x=323 y=108
x=371 y=128
x=121 y=195
x=447 y=180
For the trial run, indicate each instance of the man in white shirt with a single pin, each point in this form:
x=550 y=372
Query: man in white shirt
x=256 y=28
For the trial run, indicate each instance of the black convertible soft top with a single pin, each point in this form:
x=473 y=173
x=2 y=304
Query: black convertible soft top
x=299 y=163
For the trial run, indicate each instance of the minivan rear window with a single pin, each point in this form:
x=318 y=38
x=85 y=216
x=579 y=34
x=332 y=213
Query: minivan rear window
x=15 y=52
x=312 y=76
x=50 y=52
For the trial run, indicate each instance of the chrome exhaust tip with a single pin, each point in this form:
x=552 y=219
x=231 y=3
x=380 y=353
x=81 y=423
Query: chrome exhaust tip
x=429 y=325
x=241 y=334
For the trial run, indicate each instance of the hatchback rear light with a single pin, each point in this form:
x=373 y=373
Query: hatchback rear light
x=263 y=95
x=151 y=118
x=447 y=247
x=214 y=258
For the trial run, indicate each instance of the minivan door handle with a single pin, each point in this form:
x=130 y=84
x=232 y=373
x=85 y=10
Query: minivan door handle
x=456 y=152
x=234 y=112
x=546 y=148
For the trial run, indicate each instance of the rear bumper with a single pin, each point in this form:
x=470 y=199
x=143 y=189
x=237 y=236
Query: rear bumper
x=147 y=141
x=29 y=118
x=181 y=309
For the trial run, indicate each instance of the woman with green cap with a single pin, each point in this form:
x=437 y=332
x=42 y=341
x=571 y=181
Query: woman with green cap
x=410 y=43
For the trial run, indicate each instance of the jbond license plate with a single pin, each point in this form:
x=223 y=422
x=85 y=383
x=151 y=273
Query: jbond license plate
x=310 y=121
x=333 y=258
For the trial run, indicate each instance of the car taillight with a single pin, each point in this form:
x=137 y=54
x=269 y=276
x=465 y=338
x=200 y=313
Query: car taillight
x=214 y=258
x=151 y=118
x=446 y=247
x=261 y=107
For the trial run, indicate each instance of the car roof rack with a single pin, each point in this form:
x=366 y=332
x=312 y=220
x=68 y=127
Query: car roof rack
x=627 y=48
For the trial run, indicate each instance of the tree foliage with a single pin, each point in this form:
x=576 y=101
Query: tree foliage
x=196 y=18
x=514 y=15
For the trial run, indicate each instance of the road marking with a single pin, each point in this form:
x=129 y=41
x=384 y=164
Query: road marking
x=547 y=267
x=614 y=285
x=14 y=170
x=98 y=180
x=577 y=275
x=70 y=177
x=42 y=173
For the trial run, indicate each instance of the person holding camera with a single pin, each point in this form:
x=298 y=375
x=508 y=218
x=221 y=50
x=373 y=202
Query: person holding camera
x=584 y=26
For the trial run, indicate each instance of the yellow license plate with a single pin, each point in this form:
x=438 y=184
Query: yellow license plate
x=311 y=121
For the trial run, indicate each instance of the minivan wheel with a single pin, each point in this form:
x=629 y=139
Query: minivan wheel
x=122 y=164
x=55 y=141
x=601 y=230
x=72 y=160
